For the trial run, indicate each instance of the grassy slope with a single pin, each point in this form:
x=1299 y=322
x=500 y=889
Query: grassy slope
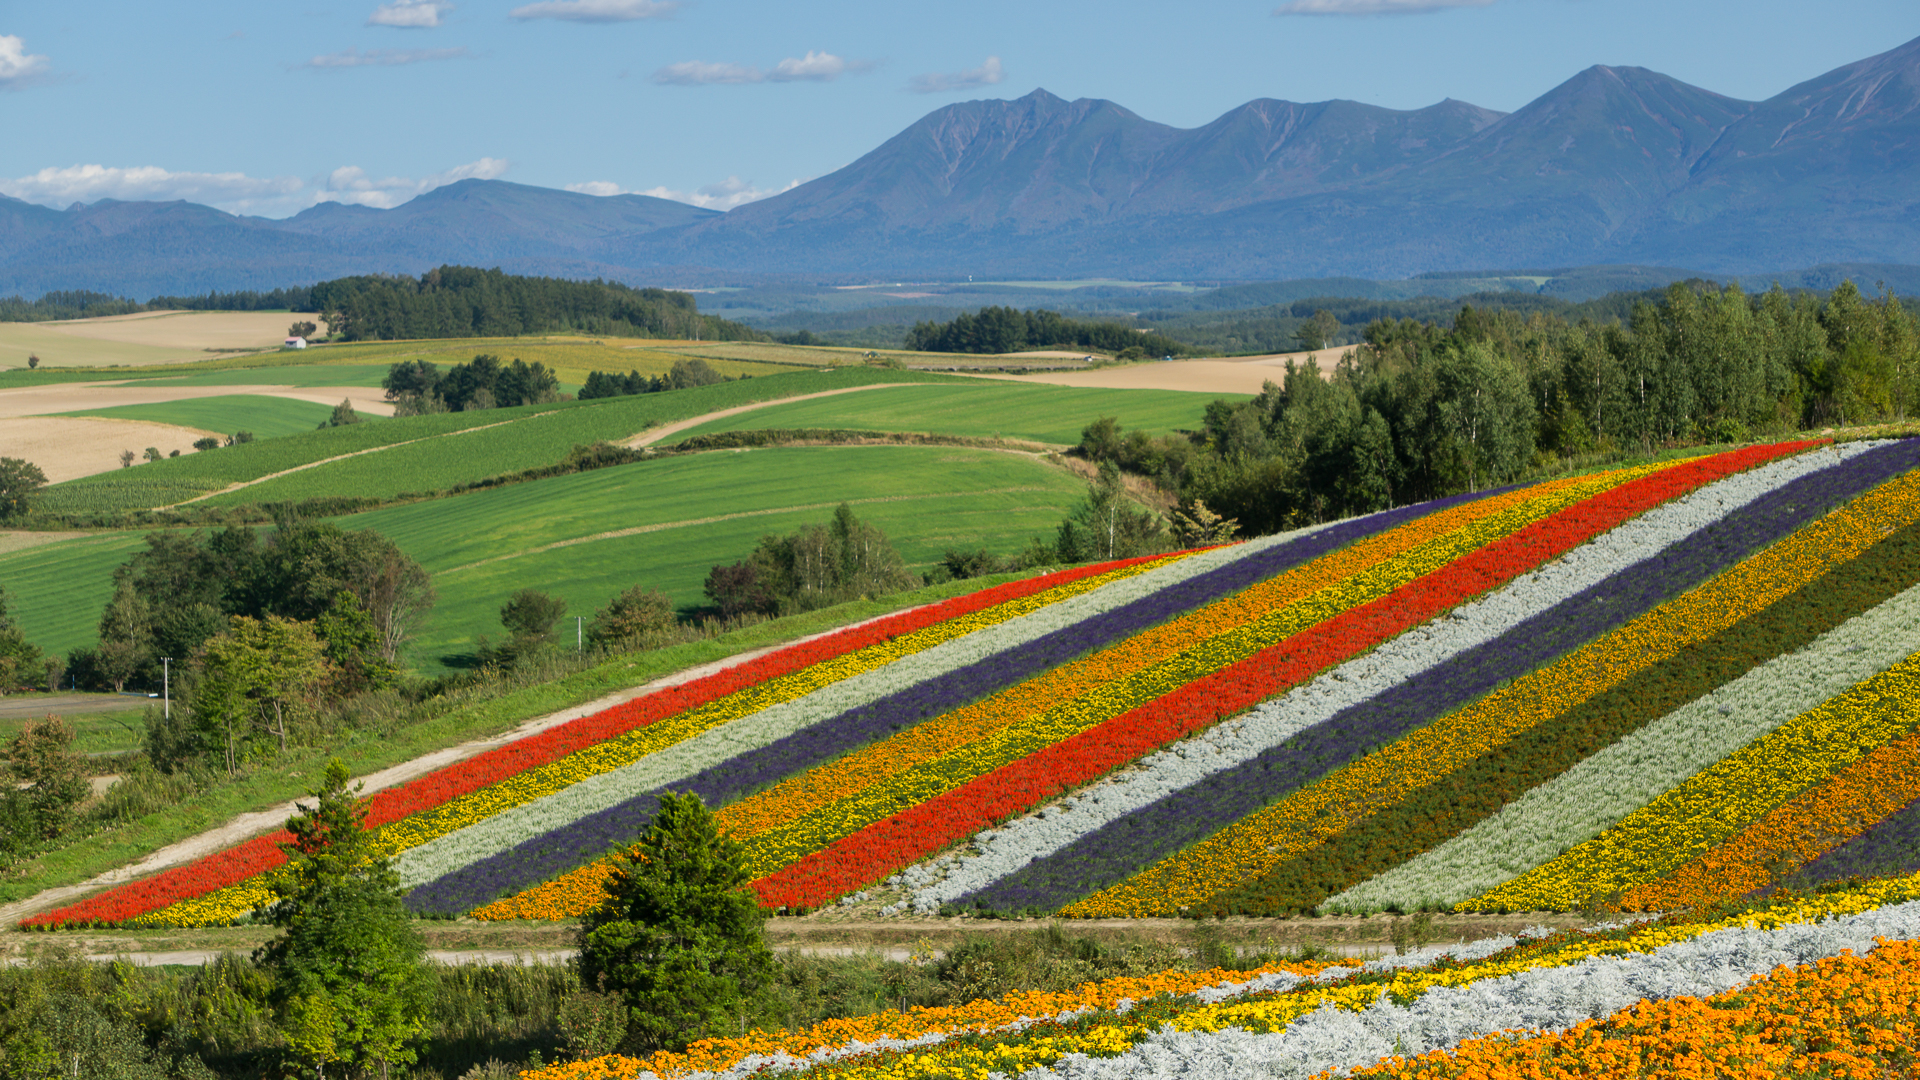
x=282 y=374
x=1048 y=414
x=267 y=417
x=292 y=777
x=484 y=545
x=56 y=590
x=524 y=437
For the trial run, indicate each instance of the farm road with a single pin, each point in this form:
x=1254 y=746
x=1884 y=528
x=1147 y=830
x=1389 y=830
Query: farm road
x=245 y=826
x=654 y=435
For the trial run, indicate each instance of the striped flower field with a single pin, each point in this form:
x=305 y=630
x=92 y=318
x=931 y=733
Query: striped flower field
x=1647 y=688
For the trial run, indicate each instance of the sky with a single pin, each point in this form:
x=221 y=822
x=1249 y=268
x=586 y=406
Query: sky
x=269 y=108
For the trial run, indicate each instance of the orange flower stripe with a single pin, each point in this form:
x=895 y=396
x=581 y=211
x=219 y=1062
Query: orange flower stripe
x=1795 y=833
x=1317 y=813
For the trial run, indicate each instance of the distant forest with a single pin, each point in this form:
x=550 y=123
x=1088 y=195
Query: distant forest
x=1005 y=329
x=462 y=301
x=83 y=304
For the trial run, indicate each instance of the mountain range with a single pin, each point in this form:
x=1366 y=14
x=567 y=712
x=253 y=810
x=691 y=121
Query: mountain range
x=1616 y=165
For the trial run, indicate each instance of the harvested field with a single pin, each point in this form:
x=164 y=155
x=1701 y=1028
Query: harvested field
x=150 y=337
x=67 y=447
x=92 y=397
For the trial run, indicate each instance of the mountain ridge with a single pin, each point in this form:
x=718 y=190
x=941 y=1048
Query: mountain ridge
x=1617 y=164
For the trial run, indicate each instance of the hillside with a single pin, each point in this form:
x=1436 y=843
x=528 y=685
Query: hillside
x=1617 y=164
x=1710 y=650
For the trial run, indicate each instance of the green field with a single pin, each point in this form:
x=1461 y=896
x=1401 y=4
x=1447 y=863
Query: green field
x=316 y=374
x=119 y=731
x=665 y=523
x=265 y=416
x=56 y=590
x=1039 y=413
x=515 y=439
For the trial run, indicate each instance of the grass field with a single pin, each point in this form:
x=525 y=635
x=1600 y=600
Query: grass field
x=55 y=591
x=665 y=523
x=322 y=374
x=1048 y=414
x=98 y=734
x=266 y=417
x=570 y=358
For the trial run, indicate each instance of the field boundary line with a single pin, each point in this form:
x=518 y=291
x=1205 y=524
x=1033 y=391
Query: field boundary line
x=638 y=530
x=654 y=435
x=244 y=484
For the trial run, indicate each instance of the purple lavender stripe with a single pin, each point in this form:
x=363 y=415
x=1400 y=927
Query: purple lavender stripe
x=1123 y=848
x=559 y=850
x=1891 y=847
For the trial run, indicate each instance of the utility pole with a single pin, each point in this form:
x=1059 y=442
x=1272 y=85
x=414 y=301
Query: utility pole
x=166 y=686
x=579 y=641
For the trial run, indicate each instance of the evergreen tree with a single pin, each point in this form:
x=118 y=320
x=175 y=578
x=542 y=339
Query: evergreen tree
x=678 y=935
x=348 y=983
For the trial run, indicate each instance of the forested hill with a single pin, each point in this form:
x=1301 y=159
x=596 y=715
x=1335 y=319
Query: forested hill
x=461 y=301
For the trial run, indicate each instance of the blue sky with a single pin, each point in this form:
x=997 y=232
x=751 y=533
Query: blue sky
x=267 y=108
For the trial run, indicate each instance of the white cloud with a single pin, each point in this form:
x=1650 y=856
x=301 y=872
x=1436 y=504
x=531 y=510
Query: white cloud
x=234 y=192
x=945 y=82
x=1372 y=7
x=596 y=11
x=813 y=67
x=18 y=67
x=353 y=58
x=351 y=184
x=410 y=14
x=724 y=195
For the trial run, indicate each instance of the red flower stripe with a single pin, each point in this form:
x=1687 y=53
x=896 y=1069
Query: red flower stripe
x=899 y=841
x=263 y=853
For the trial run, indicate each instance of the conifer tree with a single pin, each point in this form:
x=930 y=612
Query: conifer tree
x=679 y=934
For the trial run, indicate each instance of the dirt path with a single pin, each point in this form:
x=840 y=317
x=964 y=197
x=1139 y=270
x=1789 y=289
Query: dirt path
x=245 y=826
x=19 y=708
x=238 y=485
x=654 y=435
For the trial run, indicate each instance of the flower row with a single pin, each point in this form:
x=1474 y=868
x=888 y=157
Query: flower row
x=1257 y=844
x=1579 y=803
x=1199 y=786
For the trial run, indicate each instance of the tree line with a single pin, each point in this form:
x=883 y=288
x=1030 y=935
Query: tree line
x=1007 y=329
x=419 y=387
x=87 y=304
x=464 y=301
x=1419 y=410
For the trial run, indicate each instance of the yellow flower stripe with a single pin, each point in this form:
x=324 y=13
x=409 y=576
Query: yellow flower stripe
x=1261 y=841
x=224 y=905
x=1720 y=801
x=1796 y=832
x=1260 y=1016
x=808 y=811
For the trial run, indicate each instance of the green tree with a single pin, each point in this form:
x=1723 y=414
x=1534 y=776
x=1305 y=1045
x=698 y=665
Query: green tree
x=1317 y=332
x=259 y=676
x=343 y=415
x=631 y=618
x=19 y=481
x=349 y=987
x=20 y=660
x=206 y=442
x=44 y=780
x=529 y=615
x=678 y=935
